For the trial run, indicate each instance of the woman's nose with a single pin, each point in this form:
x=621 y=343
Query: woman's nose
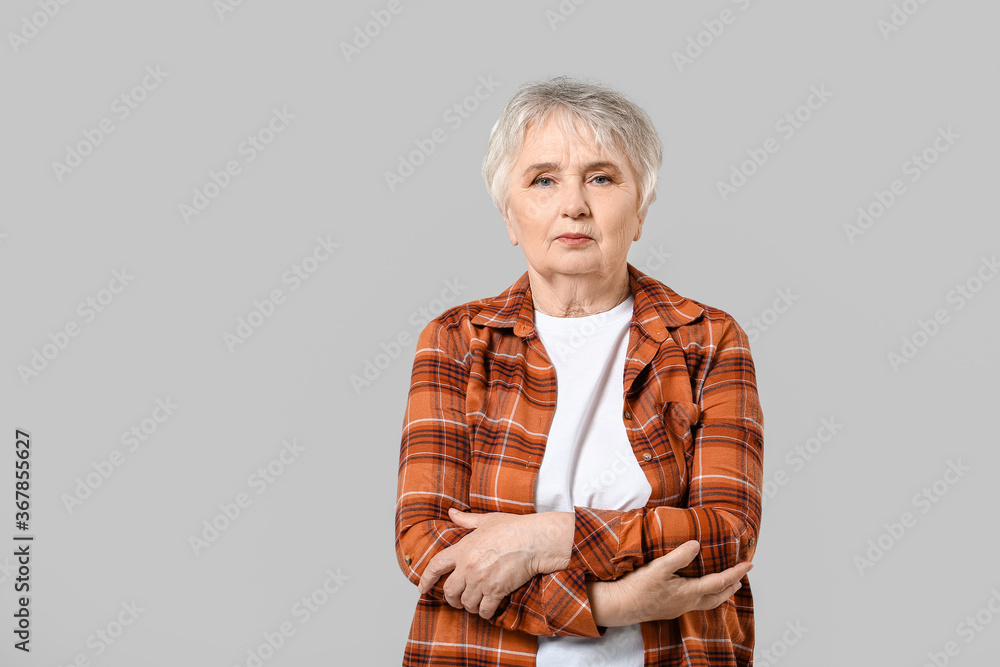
x=574 y=200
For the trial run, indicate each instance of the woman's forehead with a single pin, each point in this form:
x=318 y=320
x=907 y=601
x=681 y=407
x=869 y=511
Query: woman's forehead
x=555 y=137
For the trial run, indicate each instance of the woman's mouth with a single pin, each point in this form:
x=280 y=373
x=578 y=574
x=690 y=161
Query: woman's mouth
x=575 y=239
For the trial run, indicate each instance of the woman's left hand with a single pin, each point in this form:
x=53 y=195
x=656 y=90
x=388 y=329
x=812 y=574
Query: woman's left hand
x=503 y=553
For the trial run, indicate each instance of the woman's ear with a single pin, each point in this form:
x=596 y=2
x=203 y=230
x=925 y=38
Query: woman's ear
x=638 y=230
x=510 y=229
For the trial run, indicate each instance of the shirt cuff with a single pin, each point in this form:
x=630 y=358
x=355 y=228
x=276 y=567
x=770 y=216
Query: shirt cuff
x=606 y=543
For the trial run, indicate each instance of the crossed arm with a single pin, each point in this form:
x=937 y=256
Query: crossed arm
x=572 y=573
x=506 y=550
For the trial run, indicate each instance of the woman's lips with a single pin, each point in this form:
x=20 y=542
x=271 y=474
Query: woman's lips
x=574 y=239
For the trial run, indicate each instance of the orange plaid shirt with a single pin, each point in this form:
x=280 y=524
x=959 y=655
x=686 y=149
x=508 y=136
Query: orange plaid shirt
x=481 y=400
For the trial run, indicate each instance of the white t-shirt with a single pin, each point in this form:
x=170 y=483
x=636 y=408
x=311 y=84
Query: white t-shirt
x=588 y=458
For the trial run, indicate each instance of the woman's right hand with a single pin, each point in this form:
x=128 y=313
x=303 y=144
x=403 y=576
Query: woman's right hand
x=653 y=592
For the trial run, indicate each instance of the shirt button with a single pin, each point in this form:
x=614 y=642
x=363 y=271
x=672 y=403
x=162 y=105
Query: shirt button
x=408 y=560
x=628 y=415
x=647 y=456
x=752 y=541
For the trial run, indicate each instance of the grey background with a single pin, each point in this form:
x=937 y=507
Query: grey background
x=323 y=176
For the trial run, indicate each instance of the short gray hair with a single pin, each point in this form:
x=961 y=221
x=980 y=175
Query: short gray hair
x=617 y=122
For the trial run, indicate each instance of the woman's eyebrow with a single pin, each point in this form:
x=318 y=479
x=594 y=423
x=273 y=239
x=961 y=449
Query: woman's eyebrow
x=541 y=166
x=602 y=164
x=547 y=166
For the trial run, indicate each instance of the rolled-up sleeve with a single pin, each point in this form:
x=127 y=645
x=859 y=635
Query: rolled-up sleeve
x=724 y=495
x=434 y=474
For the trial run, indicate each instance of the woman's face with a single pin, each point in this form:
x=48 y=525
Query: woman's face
x=571 y=209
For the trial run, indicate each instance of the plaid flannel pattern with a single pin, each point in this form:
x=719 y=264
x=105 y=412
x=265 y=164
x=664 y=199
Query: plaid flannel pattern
x=481 y=400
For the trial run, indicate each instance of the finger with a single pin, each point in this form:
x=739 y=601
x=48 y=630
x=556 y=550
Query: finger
x=464 y=519
x=489 y=605
x=713 y=601
x=680 y=557
x=738 y=571
x=718 y=582
x=453 y=589
x=727 y=594
x=439 y=565
x=471 y=598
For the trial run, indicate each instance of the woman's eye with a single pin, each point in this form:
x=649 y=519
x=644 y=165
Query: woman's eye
x=543 y=180
x=602 y=179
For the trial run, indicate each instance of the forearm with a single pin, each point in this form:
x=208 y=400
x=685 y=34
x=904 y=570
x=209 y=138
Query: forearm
x=554 y=604
x=550 y=605
x=609 y=543
x=656 y=591
x=606 y=605
x=554 y=540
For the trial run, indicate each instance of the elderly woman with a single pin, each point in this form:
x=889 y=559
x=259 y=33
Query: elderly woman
x=580 y=466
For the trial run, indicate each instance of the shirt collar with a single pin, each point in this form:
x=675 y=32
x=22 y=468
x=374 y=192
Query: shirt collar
x=657 y=307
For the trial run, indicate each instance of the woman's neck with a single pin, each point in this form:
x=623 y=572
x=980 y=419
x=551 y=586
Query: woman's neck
x=578 y=295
